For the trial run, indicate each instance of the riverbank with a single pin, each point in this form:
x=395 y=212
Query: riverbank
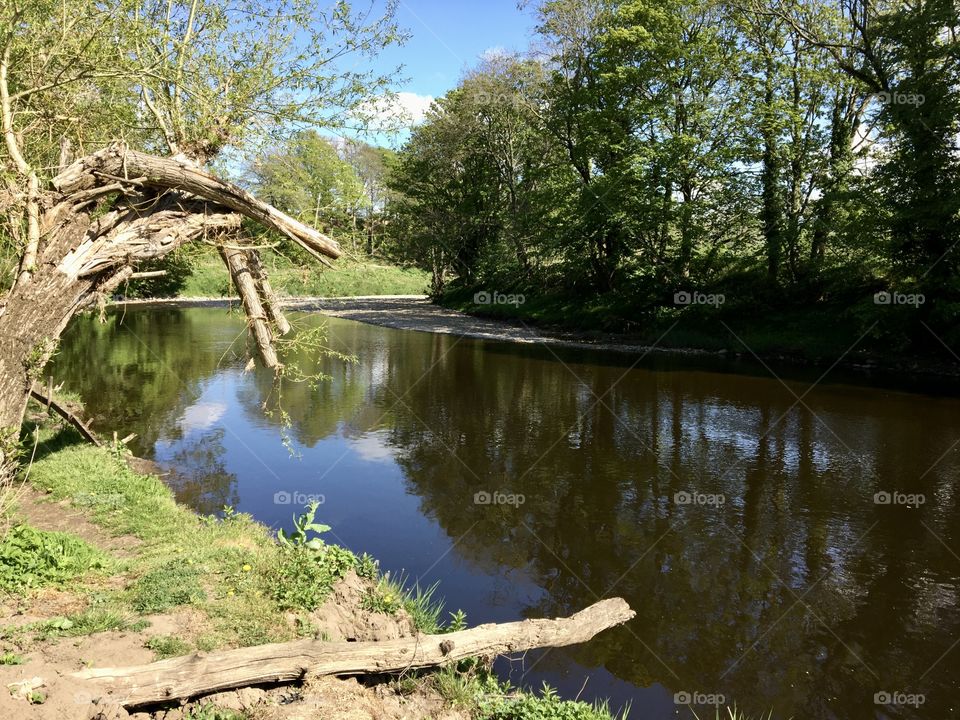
x=100 y=567
x=419 y=313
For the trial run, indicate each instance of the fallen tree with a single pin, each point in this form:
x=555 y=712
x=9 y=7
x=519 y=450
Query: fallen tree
x=104 y=215
x=193 y=675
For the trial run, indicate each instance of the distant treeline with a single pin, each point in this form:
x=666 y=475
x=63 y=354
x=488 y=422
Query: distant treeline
x=773 y=153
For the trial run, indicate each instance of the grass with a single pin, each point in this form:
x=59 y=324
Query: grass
x=350 y=277
x=421 y=604
x=470 y=686
x=168 y=646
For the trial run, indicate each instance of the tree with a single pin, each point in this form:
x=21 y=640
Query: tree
x=307 y=178
x=80 y=229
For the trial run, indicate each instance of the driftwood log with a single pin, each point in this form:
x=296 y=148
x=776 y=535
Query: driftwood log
x=193 y=675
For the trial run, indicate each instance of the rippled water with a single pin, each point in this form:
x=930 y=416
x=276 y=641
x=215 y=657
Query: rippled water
x=739 y=515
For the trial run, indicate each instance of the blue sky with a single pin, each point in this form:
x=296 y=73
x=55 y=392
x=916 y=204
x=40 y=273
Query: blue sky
x=447 y=38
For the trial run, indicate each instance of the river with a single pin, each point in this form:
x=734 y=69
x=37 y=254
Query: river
x=787 y=544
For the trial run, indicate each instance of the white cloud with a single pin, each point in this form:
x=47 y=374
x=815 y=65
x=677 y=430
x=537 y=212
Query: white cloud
x=404 y=109
x=372 y=447
x=493 y=53
x=201 y=416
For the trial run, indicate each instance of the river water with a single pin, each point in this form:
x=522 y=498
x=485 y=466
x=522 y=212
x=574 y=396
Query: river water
x=787 y=544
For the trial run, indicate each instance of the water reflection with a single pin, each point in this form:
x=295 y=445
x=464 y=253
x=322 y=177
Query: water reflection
x=798 y=593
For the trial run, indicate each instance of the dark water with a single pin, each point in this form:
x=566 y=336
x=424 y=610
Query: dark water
x=786 y=586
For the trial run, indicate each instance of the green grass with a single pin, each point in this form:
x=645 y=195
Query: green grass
x=31 y=558
x=174 y=583
x=470 y=686
x=11 y=659
x=168 y=646
x=350 y=277
x=425 y=609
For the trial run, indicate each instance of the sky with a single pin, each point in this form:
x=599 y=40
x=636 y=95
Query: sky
x=448 y=37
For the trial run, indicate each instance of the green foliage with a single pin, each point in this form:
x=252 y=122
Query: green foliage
x=663 y=147
x=472 y=686
x=308 y=567
x=31 y=558
x=303 y=525
x=209 y=711
x=174 y=583
x=303 y=577
x=307 y=178
x=546 y=706
x=11 y=659
x=208 y=278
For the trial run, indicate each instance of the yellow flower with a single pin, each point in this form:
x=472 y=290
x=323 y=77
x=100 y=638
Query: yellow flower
x=229 y=592
x=247 y=568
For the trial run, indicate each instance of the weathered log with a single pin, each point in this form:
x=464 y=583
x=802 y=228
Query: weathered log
x=271 y=302
x=193 y=675
x=238 y=265
x=68 y=414
x=118 y=162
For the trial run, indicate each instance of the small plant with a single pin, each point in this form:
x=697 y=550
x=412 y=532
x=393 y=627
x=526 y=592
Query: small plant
x=11 y=659
x=303 y=525
x=458 y=621
x=167 y=646
x=309 y=566
x=31 y=558
x=368 y=567
x=304 y=577
x=209 y=711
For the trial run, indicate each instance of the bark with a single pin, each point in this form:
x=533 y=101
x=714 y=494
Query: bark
x=239 y=265
x=193 y=675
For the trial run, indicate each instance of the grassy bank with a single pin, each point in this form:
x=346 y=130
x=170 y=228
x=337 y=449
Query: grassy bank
x=99 y=559
x=204 y=275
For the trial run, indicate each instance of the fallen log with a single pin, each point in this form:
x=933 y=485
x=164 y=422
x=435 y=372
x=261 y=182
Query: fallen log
x=193 y=675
